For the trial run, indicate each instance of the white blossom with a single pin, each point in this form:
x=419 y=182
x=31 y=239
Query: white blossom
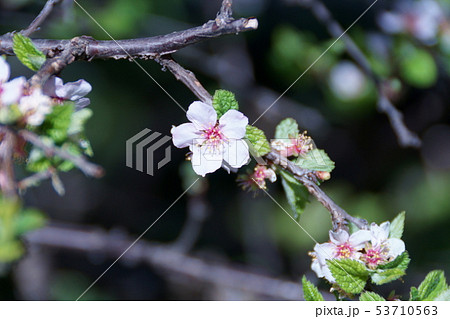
x=381 y=248
x=35 y=107
x=341 y=245
x=73 y=91
x=213 y=143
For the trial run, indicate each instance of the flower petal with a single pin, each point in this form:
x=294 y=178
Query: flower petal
x=233 y=124
x=4 y=70
x=82 y=103
x=385 y=229
x=328 y=275
x=50 y=86
x=339 y=237
x=184 y=135
x=359 y=238
x=324 y=251
x=379 y=233
x=12 y=91
x=73 y=90
x=236 y=153
x=204 y=160
x=202 y=115
x=317 y=268
x=396 y=247
x=319 y=265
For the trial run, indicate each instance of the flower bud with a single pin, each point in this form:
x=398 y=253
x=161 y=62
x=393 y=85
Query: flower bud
x=324 y=176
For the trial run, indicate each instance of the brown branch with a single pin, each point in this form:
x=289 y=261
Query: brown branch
x=165 y=259
x=43 y=15
x=50 y=150
x=405 y=137
x=142 y=48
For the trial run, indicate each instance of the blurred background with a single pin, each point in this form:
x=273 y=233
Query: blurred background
x=407 y=42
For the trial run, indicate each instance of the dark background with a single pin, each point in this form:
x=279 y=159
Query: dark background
x=374 y=177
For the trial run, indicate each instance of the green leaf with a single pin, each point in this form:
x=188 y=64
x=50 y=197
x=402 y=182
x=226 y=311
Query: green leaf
x=381 y=276
x=401 y=262
x=418 y=68
x=57 y=123
x=296 y=194
x=258 y=140
x=287 y=128
x=370 y=296
x=414 y=294
x=350 y=275
x=443 y=296
x=316 y=160
x=432 y=286
x=27 y=53
x=28 y=220
x=397 y=225
x=310 y=292
x=78 y=121
x=224 y=101
x=11 y=250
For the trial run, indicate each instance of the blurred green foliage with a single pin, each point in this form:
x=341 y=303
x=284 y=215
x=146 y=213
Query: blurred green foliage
x=15 y=221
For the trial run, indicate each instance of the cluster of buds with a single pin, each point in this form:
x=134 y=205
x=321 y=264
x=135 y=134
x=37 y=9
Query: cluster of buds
x=30 y=105
x=372 y=247
x=257 y=179
x=294 y=146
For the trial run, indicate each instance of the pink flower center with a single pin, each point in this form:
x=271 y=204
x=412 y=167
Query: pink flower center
x=373 y=257
x=213 y=136
x=344 y=251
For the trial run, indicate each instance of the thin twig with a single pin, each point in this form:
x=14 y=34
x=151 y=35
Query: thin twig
x=35 y=179
x=165 y=259
x=187 y=77
x=307 y=178
x=50 y=150
x=43 y=15
x=405 y=137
